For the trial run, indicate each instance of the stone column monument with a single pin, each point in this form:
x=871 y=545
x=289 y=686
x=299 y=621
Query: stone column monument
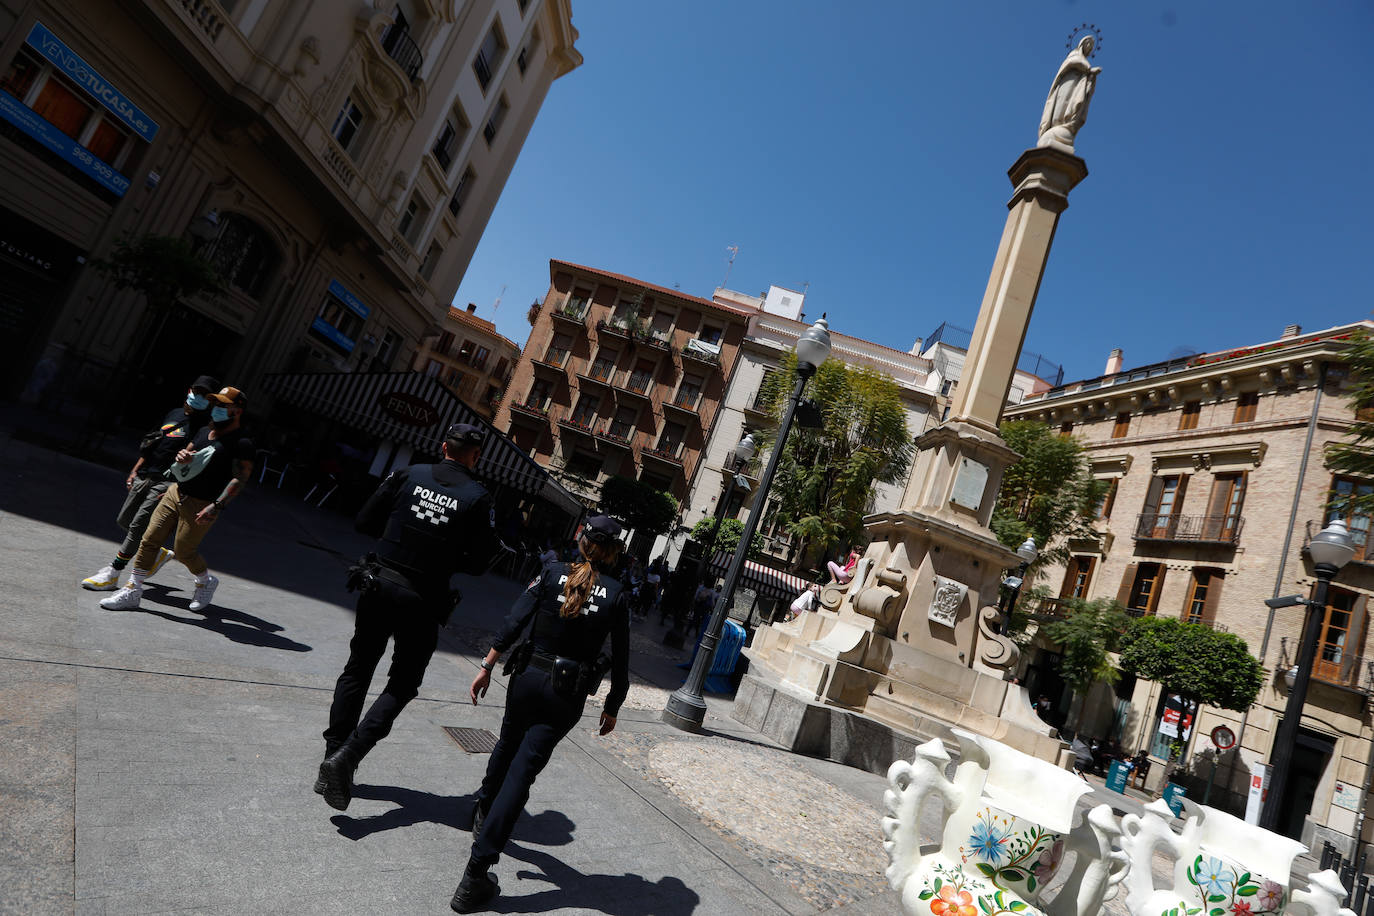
x=911 y=645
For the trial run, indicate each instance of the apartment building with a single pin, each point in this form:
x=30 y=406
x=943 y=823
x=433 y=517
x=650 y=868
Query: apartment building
x=1218 y=479
x=620 y=377
x=337 y=162
x=470 y=359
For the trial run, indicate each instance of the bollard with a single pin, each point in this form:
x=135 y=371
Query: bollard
x=1361 y=888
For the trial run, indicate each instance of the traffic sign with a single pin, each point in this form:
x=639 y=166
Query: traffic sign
x=1223 y=738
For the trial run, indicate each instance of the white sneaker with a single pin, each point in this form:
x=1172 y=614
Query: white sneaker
x=126 y=599
x=163 y=555
x=200 y=600
x=107 y=580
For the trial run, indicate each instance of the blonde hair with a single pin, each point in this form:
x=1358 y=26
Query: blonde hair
x=582 y=578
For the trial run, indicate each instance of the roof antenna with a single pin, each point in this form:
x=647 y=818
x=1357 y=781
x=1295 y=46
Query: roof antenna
x=734 y=250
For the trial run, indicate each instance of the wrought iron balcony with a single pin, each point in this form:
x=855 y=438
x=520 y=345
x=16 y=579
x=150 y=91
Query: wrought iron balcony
x=685 y=401
x=1333 y=665
x=617 y=330
x=531 y=408
x=704 y=357
x=667 y=452
x=653 y=340
x=579 y=421
x=616 y=432
x=1214 y=529
x=401 y=48
x=638 y=384
x=599 y=372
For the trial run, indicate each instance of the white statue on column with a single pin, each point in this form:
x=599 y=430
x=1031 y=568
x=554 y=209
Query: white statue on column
x=1066 y=107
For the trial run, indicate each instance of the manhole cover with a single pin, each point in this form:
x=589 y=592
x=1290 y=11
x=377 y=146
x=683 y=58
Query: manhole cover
x=472 y=740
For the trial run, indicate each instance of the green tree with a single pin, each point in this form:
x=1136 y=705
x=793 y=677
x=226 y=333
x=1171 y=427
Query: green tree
x=1355 y=456
x=827 y=477
x=164 y=268
x=1091 y=631
x=727 y=539
x=1194 y=661
x=638 y=505
x=1049 y=494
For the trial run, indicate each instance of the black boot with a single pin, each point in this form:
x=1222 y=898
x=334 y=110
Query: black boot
x=475 y=891
x=336 y=775
x=329 y=748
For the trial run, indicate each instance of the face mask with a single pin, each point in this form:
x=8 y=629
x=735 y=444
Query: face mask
x=219 y=414
x=197 y=401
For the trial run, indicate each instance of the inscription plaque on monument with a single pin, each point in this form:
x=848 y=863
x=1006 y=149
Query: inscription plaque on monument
x=945 y=604
x=969 y=483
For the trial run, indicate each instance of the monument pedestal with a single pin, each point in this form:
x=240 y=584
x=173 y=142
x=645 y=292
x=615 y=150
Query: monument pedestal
x=912 y=644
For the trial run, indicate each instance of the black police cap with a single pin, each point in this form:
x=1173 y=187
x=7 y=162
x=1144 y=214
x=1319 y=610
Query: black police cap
x=602 y=529
x=461 y=434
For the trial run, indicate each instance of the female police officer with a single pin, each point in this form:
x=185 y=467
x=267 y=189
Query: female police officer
x=570 y=608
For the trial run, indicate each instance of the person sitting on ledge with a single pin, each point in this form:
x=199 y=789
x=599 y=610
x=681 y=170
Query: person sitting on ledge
x=842 y=575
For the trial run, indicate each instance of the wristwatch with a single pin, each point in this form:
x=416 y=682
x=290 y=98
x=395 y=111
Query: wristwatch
x=487 y=666
x=218 y=505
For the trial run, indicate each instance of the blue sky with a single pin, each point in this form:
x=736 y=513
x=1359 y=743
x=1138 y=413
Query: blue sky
x=862 y=148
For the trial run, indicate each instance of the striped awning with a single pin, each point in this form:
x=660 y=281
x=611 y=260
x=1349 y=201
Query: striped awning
x=415 y=409
x=766 y=581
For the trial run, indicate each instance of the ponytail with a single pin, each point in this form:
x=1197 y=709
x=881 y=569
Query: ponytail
x=582 y=578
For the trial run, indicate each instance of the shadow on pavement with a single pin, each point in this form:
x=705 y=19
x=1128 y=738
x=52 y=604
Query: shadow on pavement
x=229 y=623
x=548 y=828
x=615 y=895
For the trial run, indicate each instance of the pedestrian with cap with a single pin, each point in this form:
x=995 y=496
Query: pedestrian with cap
x=569 y=610
x=431 y=521
x=146 y=481
x=207 y=474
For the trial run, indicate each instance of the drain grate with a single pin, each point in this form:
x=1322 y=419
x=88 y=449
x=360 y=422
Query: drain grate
x=472 y=740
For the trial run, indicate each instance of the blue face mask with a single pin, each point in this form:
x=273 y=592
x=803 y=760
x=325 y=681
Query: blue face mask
x=219 y=414
x=197 y=401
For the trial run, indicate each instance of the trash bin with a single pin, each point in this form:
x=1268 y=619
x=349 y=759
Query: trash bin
x=1117 y=775
x=726 y=658
x=1173 y=794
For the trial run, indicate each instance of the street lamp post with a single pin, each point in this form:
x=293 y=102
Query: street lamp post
x=686 y=707
x=743 y=454
x=1027 y=552
x=1331 y=549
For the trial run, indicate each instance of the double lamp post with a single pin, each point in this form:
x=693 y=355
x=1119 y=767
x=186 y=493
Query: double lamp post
x=686 y=707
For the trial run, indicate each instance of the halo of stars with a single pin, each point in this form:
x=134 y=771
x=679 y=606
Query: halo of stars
x=1085 y=28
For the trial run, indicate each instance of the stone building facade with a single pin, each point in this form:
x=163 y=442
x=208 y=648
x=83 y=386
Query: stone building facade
x=620 y=377
x=469 y=358
x=337 y=162
x=1218 y=478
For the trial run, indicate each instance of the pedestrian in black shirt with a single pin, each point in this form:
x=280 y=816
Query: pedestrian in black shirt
x=569 y=611
x=207 y=474
x=432 y=520
x=146 y=483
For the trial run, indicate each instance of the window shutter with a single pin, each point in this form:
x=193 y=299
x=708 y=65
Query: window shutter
x=1123 y=594
x=1158 y=588
x=1215 y=578
x=1152 y=496
x=1070 y=573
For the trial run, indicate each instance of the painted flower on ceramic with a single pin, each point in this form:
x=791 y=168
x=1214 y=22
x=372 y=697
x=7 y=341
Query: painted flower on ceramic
x=951 y=901
x=1049 y=861
x=1241 y=908
x=1215 y=878
x=989 y=841
x=1270 y=897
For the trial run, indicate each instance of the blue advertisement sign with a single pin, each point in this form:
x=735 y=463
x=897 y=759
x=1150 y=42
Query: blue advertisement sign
x=332 y=334
x=70 y=65
x=344 y=295
x=14 y=111
x=1117 y=775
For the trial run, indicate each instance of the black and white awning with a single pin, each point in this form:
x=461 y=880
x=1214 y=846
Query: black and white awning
x=766 y=581
x=415 y=409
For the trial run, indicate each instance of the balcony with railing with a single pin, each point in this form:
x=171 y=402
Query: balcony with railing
x=554 y=361
x=614 y=329
x=701 y=355
x=532 y=407
x=686 y=402
x=1359 y=534
x=598 y=373
x=637 y=384
x=757 y=409
x=1333 y=665
x=579 y=421
x=669 y=453
x=1206 y=529
x=572 y=315
x=616 y=432
x=656 y=340
x=401 y=48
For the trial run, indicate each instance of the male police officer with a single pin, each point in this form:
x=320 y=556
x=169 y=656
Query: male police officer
x=432 y=520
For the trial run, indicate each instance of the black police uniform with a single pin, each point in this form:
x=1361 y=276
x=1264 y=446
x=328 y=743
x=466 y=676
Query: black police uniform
x=433 y=520
x=537 y=715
